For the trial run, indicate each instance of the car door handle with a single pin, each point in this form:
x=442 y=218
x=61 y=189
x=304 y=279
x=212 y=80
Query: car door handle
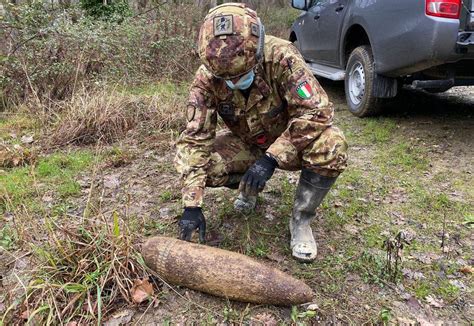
x=317 y=16
x=340 y=8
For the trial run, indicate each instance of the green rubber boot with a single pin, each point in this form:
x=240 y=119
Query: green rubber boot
x=312 y=189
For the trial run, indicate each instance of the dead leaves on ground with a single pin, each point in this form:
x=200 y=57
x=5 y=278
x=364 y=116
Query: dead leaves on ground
x=141 y=290
x=15 y=155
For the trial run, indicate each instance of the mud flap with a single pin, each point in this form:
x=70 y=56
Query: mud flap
x=385 y=87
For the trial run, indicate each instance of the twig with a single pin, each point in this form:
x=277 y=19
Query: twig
x=444 y=232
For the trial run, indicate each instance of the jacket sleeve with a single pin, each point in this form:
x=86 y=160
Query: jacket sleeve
x=310 y=111
x=195 y=143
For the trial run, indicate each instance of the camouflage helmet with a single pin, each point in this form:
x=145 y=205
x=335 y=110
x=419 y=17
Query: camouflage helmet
x=231 y=40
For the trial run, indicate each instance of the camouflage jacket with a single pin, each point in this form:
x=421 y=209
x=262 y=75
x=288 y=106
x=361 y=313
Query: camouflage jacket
x=286 y=110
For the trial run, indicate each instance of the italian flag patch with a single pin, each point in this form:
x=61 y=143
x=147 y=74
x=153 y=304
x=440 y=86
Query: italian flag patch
x=304 y=90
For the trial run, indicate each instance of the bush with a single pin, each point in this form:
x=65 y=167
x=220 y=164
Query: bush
x=115 y=10
x=55 y=51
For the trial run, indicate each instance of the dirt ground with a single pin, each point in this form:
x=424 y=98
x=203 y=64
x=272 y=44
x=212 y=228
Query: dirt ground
x=410 y=171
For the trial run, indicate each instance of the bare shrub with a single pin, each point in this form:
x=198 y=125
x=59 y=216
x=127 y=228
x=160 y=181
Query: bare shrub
x=47 y=53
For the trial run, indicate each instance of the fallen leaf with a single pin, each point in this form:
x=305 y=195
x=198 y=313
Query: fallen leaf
x=466 y=269
x=141 y=290
x=434 y=302
x=25 y=315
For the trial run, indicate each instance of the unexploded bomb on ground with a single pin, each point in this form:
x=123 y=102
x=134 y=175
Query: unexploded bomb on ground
x=222 y=273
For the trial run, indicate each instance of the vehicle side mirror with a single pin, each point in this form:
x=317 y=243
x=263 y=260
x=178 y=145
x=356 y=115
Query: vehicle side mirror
x=300 y=4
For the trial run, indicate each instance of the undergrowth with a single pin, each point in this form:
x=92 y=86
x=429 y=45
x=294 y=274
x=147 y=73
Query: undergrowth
x=85 y=270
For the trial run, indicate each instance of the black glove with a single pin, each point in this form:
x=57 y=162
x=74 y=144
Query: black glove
x=192 y=219
x=257 y=175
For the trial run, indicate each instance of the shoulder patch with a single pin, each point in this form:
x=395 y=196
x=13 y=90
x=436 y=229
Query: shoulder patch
x=304 y=90
x=223 y=25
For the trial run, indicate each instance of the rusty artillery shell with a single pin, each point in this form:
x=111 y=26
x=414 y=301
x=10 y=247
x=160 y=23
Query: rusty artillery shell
x=222 y=273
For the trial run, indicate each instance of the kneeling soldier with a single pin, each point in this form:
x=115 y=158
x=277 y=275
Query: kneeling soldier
x=277 y=116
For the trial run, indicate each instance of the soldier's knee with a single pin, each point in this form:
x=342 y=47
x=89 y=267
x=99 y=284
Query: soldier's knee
x=329 y=151
x=337 y=142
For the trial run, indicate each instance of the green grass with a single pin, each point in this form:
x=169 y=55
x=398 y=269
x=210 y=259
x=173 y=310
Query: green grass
x=57 y=172
x=378 y=131
x=422 y=289
x=401 y=156
x=16 y=124
x=7 y=237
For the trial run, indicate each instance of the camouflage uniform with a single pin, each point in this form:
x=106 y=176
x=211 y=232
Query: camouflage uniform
x=287 y=114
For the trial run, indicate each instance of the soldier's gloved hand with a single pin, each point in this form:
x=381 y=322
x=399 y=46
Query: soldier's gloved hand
x=192 y=219
x=257 y=175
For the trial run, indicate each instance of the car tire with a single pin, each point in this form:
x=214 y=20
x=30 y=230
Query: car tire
x=359 y=83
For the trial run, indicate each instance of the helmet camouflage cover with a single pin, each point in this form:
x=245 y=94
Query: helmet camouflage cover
x=229 y=40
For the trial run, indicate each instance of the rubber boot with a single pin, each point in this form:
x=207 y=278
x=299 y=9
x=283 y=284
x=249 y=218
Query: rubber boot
x=312 y=188
x=245 y=204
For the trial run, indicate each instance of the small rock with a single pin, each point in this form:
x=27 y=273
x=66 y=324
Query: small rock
x=405 y=321
x=276 y=257
x=47 y=197
x=269 y=216
x=165 y=212
x=111 y=181
x=120 y=318
x=351 y=229
x=313 y=307
x=27 y=139
x=434 y=302
x=457 y=283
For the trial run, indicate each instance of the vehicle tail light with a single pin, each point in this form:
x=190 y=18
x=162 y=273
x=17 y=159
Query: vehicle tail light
x=443 y=8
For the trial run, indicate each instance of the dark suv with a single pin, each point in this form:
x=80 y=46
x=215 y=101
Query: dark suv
x=377 y=46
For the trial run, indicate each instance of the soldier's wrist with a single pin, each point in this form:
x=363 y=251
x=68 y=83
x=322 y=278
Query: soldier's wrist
x=193 y=209
x=269 y=158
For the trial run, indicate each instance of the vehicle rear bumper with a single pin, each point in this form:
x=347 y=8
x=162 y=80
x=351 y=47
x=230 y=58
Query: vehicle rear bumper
x=426 y=43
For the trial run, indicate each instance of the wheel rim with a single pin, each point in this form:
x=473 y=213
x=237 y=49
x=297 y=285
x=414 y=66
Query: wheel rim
x=357 y=83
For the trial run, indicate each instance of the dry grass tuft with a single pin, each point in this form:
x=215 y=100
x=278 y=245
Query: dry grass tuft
x=105 y=117
x=15 y=155
x=96 y=117
x=85 y=272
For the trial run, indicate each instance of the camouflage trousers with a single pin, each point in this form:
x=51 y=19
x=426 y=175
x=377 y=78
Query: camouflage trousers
x=231 y=157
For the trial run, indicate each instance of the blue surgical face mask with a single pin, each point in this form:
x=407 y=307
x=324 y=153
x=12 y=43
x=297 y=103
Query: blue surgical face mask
x=244 y=82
